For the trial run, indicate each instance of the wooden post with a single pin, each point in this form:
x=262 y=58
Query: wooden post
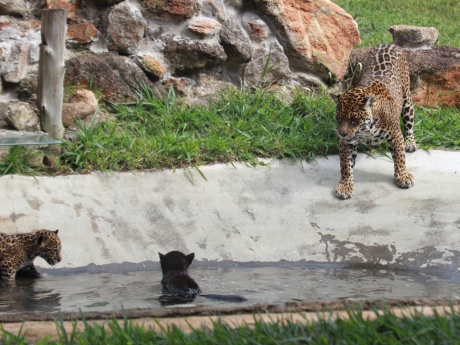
x=51 y=71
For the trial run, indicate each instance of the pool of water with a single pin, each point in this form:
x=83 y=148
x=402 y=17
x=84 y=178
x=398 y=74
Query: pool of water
x=107 y=290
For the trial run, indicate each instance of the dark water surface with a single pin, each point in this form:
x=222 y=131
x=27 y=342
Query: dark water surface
x=107 y=290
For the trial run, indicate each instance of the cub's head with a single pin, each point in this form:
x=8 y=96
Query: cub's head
x=49 y=246
x=354 y=113
x=175 y=261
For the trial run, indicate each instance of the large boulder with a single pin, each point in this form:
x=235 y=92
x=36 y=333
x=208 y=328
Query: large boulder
x=125 y=29
x=188 y=56
x=116 y=76
x=317 y=35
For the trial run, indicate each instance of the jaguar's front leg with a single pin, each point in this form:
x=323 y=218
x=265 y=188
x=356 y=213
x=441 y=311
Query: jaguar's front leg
x=28 y=271
x=348 y=152
x=403 y=178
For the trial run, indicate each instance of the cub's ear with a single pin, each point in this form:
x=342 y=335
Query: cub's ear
x=335 y=97
x=368 y=104
x=161 y=256
x=189 y=258
x=41 y=239
x=56 y=231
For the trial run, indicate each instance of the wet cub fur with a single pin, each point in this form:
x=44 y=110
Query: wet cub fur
x=18 y=251
x=176 y=280
x=178 y=283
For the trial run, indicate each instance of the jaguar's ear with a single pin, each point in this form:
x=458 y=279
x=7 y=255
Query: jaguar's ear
x=335 y=97
x=41 y=239
x=189 y=258
x=368 y=104
x=56 y=231
x=161 y=256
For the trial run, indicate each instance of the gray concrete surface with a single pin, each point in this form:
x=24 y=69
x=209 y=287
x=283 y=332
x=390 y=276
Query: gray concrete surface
x=281 y=211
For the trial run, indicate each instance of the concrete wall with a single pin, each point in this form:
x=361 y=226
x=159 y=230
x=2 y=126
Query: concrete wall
x=281 y=211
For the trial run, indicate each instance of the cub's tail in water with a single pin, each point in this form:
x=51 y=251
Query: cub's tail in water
x=225 y=298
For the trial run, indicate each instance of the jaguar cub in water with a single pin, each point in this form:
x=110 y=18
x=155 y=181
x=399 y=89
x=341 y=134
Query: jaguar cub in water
x=176 y=280
x=18 y=251
x=178 y=283
x=369 y=114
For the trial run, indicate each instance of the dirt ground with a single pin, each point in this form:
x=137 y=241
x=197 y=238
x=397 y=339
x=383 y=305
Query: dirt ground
x=36 y=326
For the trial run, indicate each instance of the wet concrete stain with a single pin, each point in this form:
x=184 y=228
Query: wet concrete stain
x=78 y=207
x=356 y=252
x=386 y=255
x=34 y=202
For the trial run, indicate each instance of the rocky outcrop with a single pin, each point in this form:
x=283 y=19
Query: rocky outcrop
x=112 y=44
x=197 y=46
x=317 y=35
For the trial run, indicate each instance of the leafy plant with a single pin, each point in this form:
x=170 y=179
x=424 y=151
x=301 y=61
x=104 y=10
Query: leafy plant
x=21 y=160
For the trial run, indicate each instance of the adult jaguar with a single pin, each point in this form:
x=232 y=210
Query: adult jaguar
x=18 y=251
x=369 y=114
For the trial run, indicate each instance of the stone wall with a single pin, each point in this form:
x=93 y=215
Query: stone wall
x=196 y=46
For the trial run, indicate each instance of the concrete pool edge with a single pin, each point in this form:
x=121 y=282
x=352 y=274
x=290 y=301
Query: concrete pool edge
x=282 y=211
x=37 y=330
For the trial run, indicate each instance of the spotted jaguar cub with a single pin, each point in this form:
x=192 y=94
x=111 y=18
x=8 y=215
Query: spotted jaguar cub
x=369 y=114
x=18 y=251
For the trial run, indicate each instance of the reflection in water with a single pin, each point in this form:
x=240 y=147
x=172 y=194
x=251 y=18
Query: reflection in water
x=26 y=295
x=107 y=291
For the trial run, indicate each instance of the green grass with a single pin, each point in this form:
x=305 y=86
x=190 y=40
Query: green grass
x=385 y=329
x=240 y=126
x=374 y=17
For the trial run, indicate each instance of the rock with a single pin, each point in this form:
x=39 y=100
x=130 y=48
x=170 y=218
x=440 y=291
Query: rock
x=413 y=37
x=3 y=109
x=19 y=41
x=174 y=9
x=255 y=26
x=81 y=104
x=22 y=117
x=16 y=8
x=187 y=56
x=255 y=73
x=82 y=32
x=71 y=6
x=204 y=27
x=152 y=67
x=27 y=88
x=235 y=41
x=106 y=2
x=179 y=85
x=116 y=76
x=125 y=28
x=214 y=9
x=317 y=35
x=435 y=75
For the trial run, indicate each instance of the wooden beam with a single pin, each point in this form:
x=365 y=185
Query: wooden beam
x=51 y=71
